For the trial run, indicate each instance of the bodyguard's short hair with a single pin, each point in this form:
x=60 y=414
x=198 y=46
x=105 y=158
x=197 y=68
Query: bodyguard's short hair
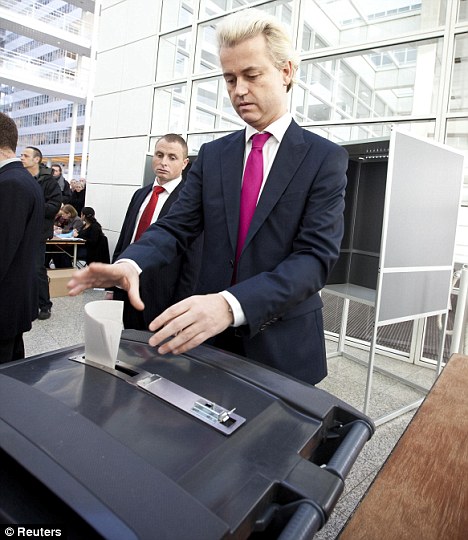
x=8 y=133
x=36 y=152
x=59 y=167
x=250 y=23
x=174 y=138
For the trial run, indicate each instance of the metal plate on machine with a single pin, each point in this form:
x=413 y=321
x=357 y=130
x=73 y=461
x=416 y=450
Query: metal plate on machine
x=218 y=417
x=205 y=410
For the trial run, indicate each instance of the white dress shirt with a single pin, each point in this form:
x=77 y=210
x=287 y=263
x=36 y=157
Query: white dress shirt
x=277 y=129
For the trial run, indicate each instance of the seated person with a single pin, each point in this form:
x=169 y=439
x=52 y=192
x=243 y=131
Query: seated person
x=97 y=246
x=67 y=220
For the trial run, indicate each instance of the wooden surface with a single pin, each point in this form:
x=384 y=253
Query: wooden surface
x=421 y=491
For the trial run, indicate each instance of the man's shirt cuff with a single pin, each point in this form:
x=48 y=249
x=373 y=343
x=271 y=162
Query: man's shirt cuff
x=237 y=311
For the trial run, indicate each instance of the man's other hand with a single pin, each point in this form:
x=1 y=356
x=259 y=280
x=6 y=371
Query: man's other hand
x=190 y=322
x=122 y=275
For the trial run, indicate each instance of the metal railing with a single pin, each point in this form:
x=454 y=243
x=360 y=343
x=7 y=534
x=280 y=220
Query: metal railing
x=69 y=22
x=20 y=64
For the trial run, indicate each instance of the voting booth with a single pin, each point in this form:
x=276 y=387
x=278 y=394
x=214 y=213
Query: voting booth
x=397 y=255
x=204 y=445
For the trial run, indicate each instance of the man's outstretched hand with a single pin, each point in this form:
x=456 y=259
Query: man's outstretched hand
x=189 y=323
x=122 y=275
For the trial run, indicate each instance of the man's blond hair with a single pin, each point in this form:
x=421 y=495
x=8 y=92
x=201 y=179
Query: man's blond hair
x=249 y=23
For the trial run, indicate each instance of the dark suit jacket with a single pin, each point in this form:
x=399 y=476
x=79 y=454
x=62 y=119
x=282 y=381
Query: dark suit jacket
x=159 y=288
x=21 y=222
x=292 y=244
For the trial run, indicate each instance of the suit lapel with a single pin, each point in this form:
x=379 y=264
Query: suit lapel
x=170 y=200
x=232 y=160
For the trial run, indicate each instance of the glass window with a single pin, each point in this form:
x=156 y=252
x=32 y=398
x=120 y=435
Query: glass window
x=169 y=110
x=397 y=81
x=213 y=109
x=457 y=136
x=174 y=56
x=207 y=49
x=211 y=8
x=343 y=134
x=463 y=11
x=346 y=22
x=175 y=14
x=459 y=87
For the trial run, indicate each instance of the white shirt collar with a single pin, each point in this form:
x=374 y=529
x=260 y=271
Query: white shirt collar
x=9 y=160
x=277 y=128
x=169 y=186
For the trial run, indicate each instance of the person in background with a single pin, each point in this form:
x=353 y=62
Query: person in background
x=176 y=281
x=31 y=157
x=97 y=246
x=63 y=184
x=21 y=217
x=67 y=220
x=78 y=196
x=269 y=200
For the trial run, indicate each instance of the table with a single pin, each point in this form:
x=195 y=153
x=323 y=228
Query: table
x=60 y=244
x=421 y=491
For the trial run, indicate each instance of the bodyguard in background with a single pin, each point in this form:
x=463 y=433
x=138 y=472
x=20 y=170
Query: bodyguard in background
x=177 y=280
x=21 y=216
x=31 y=158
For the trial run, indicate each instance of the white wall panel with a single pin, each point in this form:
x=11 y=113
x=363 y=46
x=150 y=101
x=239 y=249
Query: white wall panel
x=105 y=116
x=138 y=62
x=129 y=161
x=143 y=19
x=109 y=68
x=135 y=109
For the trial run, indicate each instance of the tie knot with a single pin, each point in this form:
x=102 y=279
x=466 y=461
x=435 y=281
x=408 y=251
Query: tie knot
x=158 y=189
x=259 y=139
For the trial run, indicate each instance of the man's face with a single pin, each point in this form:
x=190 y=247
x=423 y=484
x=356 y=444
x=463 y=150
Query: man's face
x=168 y=161
x=256 y=87
x=55 y=172
x=28 y=160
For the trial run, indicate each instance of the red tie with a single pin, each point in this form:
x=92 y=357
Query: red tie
x=253 y=178
x=145 y=220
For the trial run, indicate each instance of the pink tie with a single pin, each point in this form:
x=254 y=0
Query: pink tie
x=145 y=220
x=253 y=178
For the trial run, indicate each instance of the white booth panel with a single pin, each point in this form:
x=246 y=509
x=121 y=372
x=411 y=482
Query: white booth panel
x=423 y=186
x=407 y=295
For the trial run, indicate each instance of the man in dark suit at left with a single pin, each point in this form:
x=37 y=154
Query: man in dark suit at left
x=21 y=215
x=31 y=158
x=177 y=280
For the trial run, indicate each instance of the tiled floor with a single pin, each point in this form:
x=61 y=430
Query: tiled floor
x=346 y=380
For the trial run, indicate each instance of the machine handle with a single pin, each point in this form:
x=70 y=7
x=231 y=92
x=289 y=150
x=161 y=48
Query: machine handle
x=304 y=523
x=345 y=455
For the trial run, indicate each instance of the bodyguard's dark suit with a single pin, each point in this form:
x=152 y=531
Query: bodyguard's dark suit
x=21 y=222
x=292 y=244
x=161 y=288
